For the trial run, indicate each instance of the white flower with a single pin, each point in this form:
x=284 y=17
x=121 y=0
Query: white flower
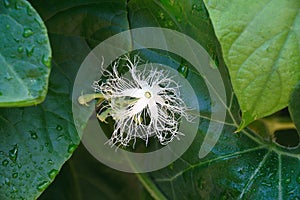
x=145 y=104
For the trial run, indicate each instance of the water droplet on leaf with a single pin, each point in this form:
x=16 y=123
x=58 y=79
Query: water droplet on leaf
x=15 y=175
x=27 y=32
x=19 y=5
x=33 y=135
x=13 y=153
x=59 y=137
x=59 y=127
x=287 y=181
x=7 y=26
x=53 y=173
x=17 y=40
x=42 y=186
x=161 y=16
x=183 y=70
x=72 y=148
x=29 y=11
x=46 y=61
x=266 y=184
x=29 y=51
x=20 y=49
x=50 y=162
x=7 y=181
x=8 y=76
x=42 y=41
x=13 y=190
x=195 y=9
x=5 y=162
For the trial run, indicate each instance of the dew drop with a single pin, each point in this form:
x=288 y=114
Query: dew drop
x=13 y=153
x=29 y=11
x=42 y=41
x=29 y=51
x=170 y=24
x=20 y=49
x=42 y=186
x=15 y=175
x=7 y=26
x=183 y=70
x=6 y=3
x=13 y=190
x=195 y=9
x=50 y=162
x=287 y=181
x=33 y=135
x=53 y=173
x=266 y=184
x=5 y=162
x=7 y=181
x=161 y=16
x=8 y=76
x=59 y=137
x=17 y=40
x=27 y=32
x=19 y=5
x=59 y=127
x=72 y=148
x=46 y=61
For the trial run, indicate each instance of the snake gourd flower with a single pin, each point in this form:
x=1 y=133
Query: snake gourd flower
x=143 y=104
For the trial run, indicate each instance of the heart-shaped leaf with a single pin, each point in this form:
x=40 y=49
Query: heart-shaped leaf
x=242 y=165
x=260 y=43
x=36 y=141
x=25 y=55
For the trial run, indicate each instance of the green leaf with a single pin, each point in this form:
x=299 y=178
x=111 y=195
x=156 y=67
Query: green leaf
x=294 y=107
x=261 y=46
x=240 y=166
x=25 y=55
x=36 y=141
x=84 y=177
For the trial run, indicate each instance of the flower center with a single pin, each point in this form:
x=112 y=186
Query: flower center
x=148 y=95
